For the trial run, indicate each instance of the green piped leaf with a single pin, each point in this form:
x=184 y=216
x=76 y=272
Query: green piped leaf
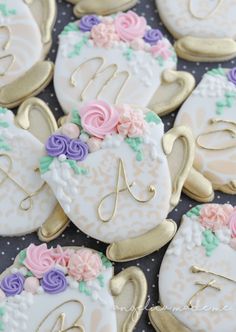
x=3 y=110
x=45 y=163
x=69 y=28
x=83 y=288
x=5 y=11
x=101 y=281
x=4 y=124
x=217 y=72
x=105 y=261
x=75 y=118
x=4 y=146
x=210 y=242
x=135 y=144
x=128 y=54
x=194 y=211
x=22 y=256
x=152 y=117
x=78 y=47
x=76 y=168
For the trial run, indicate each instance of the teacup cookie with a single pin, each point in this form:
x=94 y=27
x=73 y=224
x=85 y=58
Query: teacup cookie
x=26 y=201
x=119 y=59
x=25 y=39
x=101 y=7
x=198 y=275
x=109 y=170
x=203 y=28
x=210 y=113
x=65 y=289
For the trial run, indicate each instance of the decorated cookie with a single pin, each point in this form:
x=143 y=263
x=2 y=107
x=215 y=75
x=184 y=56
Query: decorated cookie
x=119 y=59
x=25 y=39
x=25 y=199
x=203 y=28
x=100 y=7
x=108 y=168
x=198 y=273
x=210 y=113
x=69 y=289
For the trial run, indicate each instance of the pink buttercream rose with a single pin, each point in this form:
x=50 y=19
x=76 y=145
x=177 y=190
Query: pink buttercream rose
x=104 y=35
x=85 y=265
x=215 y=216
x=62 y=256
x=31 y=285
x=130 y=26
x=161 y=49
x=99 y=119
x=132 y=122
x=232 y=224
x=39 y=259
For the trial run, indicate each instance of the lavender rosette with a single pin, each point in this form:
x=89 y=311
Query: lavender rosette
x=54 y=282
x=56 y=145
x=77 y=150
x=87 y=22
x=13 y=284
x=152 y=36
x=232 y=75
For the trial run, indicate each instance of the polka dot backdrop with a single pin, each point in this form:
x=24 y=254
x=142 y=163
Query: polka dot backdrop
x=10 y=247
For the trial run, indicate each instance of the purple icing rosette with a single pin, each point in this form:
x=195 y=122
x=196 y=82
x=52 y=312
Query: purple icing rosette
x=57 y=145
x=152 y=36
x=232 y=75
x=13 y=284
x=87 y=22
x=77 y=150
x=54 y=282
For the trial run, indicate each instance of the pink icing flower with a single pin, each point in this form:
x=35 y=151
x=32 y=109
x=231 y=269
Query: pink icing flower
x=132 y=122
x=98 y=118
x=31 y=285
x=130 y=26
x=104 y=35
x=39 y=259
x=161 y=49
x=138 y=44
x=85 y=265
x=215 y=216
x=94 y=144
x=71 y=130
x=62 y=256
x=232 y=224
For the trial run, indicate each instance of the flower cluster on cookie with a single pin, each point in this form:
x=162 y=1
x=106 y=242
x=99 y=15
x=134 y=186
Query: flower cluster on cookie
x=54 y=270
x=128 y=29
x=99 y=125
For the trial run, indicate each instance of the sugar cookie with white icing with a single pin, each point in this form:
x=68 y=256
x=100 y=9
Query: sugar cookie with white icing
x=204 y=29
x=109 y=170
x=210 y=113
x=198 y=273
x=72 y=288
x=26 y=201
x=25 y=39
x=101 y=7
x=119 y=59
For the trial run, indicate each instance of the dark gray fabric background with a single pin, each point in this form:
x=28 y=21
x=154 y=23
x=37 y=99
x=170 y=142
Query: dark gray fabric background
x=9 y=247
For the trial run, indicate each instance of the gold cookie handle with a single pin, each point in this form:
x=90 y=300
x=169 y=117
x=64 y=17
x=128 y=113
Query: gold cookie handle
x=198 y=187
x=163 y=321
x=134 y=248
x=205 y=49
x=176 y=86
x=25 y=121
x=101 y=7
x=178 y=145
x=138 y=279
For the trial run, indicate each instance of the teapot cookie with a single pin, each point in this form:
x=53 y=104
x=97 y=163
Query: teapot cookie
x=210 y=113
x=25 y=39
x=72 y=288
x=203 y=28
x=117 y=175
x=119 y=59
x=101 y=7
x=198 y=275
x=25 y=200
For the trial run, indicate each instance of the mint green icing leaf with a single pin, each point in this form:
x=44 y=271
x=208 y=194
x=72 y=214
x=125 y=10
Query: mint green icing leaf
x=4 y=124
x=194 y=211
x=22 y=256
x=78 y=47
x=3 y=110
x=75 y=118
x=160 y=60
x=210 y=242
x=217 y=72
x=70 y=27
x=76 y=168
x=83 y=288
x=2 y=326
x=105 y=260
x=3 y=145
x=100 y=279
x=128 y=54
x=5 y=11
x=152 y=117
x=45 y=163
x=135 y=144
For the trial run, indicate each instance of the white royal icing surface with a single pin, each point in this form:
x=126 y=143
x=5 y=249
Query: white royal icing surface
x=179 y=20
x=25 y=40
x=25 y=151
x=197 y=112
x=144 y=70
x=80 y=195
x=214 y=311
